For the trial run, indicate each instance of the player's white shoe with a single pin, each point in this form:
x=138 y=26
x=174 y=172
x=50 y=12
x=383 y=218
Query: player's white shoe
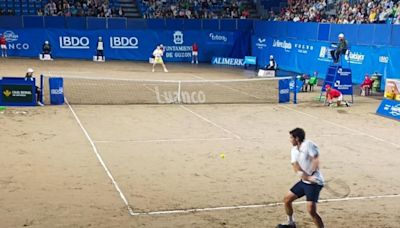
x=165 y=70
x=192 y=61
x=152 y=70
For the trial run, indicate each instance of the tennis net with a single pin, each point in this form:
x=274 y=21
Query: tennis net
x=102 y=91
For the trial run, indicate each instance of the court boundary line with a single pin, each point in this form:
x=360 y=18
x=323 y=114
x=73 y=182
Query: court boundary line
x=100 y=159
x=341 y=126
x=164 y=140
x=194 y=210
x=211 y=122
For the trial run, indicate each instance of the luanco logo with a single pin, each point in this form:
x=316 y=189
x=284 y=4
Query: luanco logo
x=261 y=43
x=74 y=42
x=168 y=97
x=12 y=39
x=124 y=42
x=355 y=57
x=282 y=44
x=178 y=37
x=216 y=37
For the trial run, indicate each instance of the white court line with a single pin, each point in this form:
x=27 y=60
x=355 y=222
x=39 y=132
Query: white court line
x=211 y=122
x=163 y=140
x=182 y=211
x=121 y=194
x=341 y=126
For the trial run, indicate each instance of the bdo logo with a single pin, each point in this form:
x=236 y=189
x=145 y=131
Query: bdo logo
x=74 y=42
x=124 y=42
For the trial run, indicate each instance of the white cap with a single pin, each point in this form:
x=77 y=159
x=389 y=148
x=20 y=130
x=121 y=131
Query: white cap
x=161 y=45
x=271 y=57
x=100 y=38
x=30 y=70
x=341 y=35
x=46 y=42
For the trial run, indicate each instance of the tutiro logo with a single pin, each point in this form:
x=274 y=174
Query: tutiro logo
x=384 y=59
x=178 y=37
x=282 y=44
x=168 y=97
x=74 y=42
x=216 y=37
x=12 y=43
x=124 y=42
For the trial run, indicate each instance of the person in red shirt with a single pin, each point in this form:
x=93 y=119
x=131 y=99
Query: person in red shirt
x=366 y=85
x=331 y=94
x=195 y=53
x=3 y=44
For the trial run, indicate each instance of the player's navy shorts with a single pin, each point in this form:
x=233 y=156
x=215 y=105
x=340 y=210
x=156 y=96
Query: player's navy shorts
x=311 y=191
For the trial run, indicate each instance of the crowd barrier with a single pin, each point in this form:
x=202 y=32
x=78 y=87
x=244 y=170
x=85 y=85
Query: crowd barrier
x=94 y=23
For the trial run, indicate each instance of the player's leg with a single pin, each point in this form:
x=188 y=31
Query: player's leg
x=165 y=68
x=312 y=195
x=154 y=64
x=295 y=192
x=312 y=210
x=193 y=57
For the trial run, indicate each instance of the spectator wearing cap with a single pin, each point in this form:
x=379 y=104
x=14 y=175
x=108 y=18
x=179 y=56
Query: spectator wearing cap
x=366 y=85
x=332 y=94
x=341 y=48
x=29 y=76
x=3 y=44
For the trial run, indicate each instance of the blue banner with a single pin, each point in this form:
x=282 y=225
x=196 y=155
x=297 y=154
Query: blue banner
x=309 y=56
x=389 y=108
x=56 y=91
x=284 y=91
x=128 y=44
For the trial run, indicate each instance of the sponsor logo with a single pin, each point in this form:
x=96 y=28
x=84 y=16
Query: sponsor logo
x=287 y=46
x=124 y=42
x=324 y=54
x=178 y=37
x=384 y=59
x=12 y=43
x=168 y=97
x=10 y=36
x=227 y=61
x=342 y=87
x=303 y=48
x=355 y=58
x=216 y=37
x=7 y=93
x=74 y=42
x=393 y=110
x=285 y=91
x=261 y=43
x=343 y=73
x=58 y=91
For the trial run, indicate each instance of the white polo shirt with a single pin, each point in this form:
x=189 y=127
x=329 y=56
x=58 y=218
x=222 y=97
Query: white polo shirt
x=304 y=156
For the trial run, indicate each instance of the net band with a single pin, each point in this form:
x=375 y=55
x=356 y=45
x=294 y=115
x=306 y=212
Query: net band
x=102 y=91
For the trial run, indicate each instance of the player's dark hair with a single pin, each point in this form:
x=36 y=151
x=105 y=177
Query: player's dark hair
x=298 y=133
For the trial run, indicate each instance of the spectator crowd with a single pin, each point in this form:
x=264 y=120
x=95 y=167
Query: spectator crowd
x=190 y=9
x=80 y=8
x=340 y=12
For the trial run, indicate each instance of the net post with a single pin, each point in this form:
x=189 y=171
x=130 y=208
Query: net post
x=179 y=92
x=295 y=90
x=41 y=88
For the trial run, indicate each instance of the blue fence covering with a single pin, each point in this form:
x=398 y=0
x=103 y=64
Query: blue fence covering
x=310 y=56
x=128 y=44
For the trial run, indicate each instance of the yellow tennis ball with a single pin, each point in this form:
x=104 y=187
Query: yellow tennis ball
x=222 y=155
